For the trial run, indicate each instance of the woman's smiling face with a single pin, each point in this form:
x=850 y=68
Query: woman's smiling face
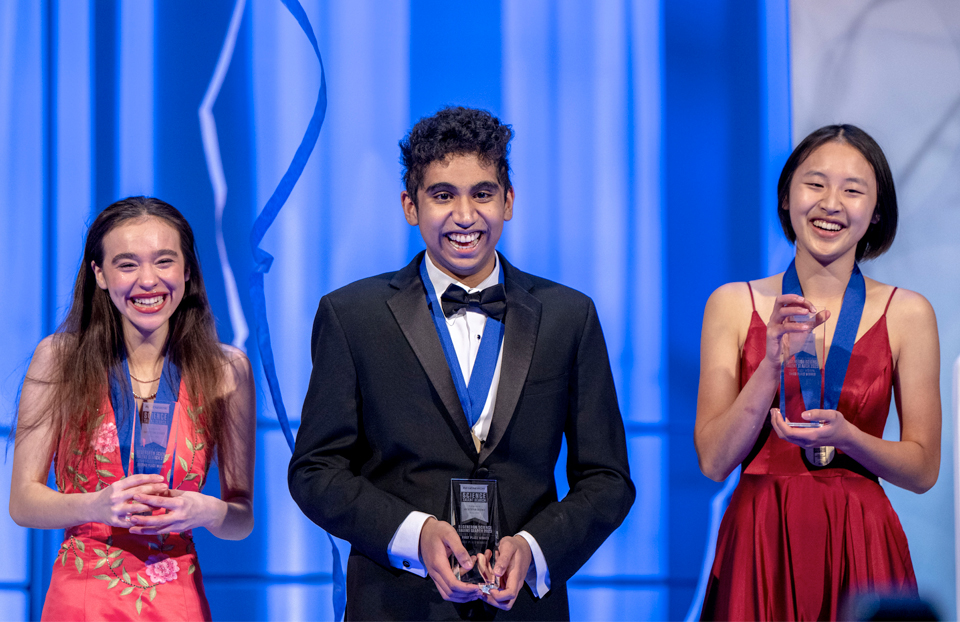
x=144 y=273
x=833 y=198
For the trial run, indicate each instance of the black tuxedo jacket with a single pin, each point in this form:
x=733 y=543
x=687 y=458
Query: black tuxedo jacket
x=383 y=432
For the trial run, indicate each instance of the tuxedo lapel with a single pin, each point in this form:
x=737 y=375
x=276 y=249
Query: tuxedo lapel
x=409 y=308
x=519 y=338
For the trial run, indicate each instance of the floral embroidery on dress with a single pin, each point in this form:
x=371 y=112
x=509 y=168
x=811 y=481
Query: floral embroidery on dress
x=85 y=472
x=161 y=568
x=194 y=446
x=105 y=441
x=105 y=438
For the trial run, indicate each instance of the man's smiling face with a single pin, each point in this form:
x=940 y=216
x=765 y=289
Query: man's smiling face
x=460 y=210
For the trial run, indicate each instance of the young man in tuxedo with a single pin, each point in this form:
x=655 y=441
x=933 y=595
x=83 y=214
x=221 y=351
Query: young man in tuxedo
x=405 y=397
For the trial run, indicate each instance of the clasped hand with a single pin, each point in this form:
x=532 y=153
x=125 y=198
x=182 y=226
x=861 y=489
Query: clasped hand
x=832 y=432
x=125 y=502
x=439 y=540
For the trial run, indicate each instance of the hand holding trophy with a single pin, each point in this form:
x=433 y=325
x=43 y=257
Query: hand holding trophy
x=801 y=380
x=475 y=514
x=800 y=375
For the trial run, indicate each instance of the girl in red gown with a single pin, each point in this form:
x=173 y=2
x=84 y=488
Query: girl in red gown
x=139 y=325
x=798 y=538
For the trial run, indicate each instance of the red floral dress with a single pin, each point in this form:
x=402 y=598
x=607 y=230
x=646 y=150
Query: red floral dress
x=108 y=573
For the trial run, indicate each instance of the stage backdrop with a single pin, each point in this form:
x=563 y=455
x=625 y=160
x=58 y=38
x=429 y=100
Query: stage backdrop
x=648 y=133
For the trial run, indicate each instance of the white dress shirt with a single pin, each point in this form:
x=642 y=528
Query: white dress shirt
x=466 y=331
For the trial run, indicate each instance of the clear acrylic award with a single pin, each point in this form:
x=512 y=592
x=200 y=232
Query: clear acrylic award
x=800 y=374
x=475 y=514
x=155 y=421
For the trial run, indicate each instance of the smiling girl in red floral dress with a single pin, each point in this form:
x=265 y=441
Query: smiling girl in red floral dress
x=130 y=398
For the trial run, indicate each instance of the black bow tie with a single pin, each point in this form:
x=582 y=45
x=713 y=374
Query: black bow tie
x=492 y=300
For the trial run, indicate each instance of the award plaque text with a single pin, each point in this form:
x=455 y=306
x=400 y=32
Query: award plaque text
x=800 y=375
x=475 y=514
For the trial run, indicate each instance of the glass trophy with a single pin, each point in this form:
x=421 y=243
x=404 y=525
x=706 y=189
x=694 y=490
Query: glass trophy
x=155 y=420
x=475 y=514
x=800 y=375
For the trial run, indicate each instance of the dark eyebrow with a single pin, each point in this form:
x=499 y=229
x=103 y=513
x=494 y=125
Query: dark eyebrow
x=133 y=256
x=486 y=186
x=441 y=186
x=857 y=180
x=444 y=186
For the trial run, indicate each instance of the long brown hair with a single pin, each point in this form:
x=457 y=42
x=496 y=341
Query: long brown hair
x=89 y=347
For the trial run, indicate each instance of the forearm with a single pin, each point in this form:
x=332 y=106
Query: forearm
x=571 y=530
x=232 y=519
x=724 y=441
x=36 y=506
x=905 y=463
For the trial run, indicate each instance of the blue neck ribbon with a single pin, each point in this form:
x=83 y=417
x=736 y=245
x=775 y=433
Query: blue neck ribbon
x=125 y=408
x=472 y=396
x=844 y=337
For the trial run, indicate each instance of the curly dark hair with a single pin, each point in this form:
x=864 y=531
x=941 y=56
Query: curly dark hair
x=879 y=235
x=455 y=131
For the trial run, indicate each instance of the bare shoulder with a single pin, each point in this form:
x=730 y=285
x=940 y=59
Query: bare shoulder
x=239 y=371
x=737 y=300
x=909 y=311
x=48 y=355
x=729 y=300
x=727 y=315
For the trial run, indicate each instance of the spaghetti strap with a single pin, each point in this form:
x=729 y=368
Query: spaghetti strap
x=754 y=303
x=889 y=300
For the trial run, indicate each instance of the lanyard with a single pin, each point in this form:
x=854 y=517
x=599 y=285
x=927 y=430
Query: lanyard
x=841 y=348
x=474 y=396
x=149 y=458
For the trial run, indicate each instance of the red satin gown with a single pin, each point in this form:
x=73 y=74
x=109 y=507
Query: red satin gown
x=796 y=540
x=108 y=573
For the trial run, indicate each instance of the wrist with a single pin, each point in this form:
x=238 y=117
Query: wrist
x=848 y=439
x=218 y=514
x=522 y=544
x=423 y=530
x=88 y=508
x=769 y=367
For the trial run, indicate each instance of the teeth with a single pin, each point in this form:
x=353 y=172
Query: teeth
x=464 y=238
x=828 y=226
x=148 y=302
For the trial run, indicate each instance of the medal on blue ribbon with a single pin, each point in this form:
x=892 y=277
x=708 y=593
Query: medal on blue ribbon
x=472 y=396
x=841 y=348
x=144 y=434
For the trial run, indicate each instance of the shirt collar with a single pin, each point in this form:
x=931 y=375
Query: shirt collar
x=441 y=280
